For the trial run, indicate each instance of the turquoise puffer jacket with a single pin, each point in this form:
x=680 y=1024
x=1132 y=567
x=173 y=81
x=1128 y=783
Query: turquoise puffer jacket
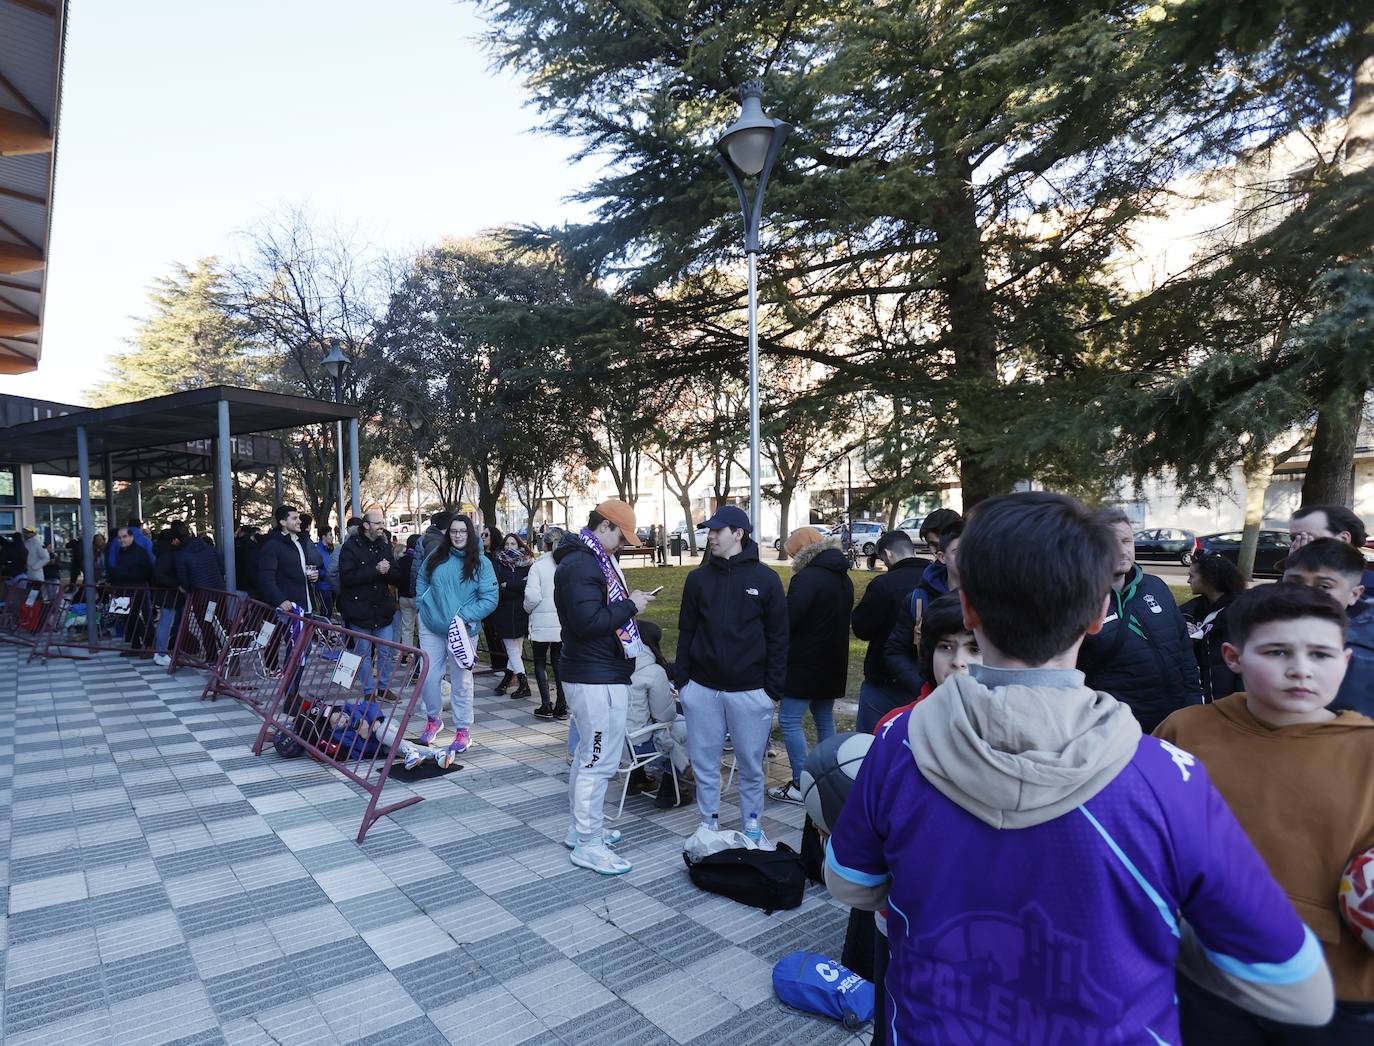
x=445 y=592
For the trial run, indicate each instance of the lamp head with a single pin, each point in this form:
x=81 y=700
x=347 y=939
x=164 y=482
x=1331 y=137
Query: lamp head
x=745 y=142
x=415 y=419
x=335 y=363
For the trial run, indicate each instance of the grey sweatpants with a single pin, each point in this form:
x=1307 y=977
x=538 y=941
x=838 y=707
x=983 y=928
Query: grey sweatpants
x=598 y=711
x=748 y=717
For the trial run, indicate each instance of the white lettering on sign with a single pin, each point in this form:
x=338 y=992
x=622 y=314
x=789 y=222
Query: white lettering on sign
x=346 y=669
x=1183 y=760
x=265 y=634
x=210 y=612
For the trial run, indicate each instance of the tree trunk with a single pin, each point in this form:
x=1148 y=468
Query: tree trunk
x=687 y=521
x=1257 y=477
x=1330 y=471
x=785 y=492
x=972 y=330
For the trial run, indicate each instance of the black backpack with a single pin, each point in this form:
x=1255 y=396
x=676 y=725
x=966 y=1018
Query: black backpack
x=767 y=879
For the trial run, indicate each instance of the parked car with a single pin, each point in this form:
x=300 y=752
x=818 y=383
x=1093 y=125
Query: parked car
x=1269 y=554
x=865 y=535
x=1166 y=543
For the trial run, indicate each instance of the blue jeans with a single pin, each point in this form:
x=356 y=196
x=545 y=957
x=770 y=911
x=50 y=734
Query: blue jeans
x=364 y=651
x=876 y=700
x=166 y=621
x=790 y=713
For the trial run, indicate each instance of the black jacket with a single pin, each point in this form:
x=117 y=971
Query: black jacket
x=510 y=620
x=1208 y=621
x=819 y=601
x=876 y=613
x=404 y=570
x=900 y=653
x=1143 y=655
x=197 y=566
x=280 y=576
x=246 y=564
x=732 y=627
x=592 y=652
x=367 y=597
x=132 y=566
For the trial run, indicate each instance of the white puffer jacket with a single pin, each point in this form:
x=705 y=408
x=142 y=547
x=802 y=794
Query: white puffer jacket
x=544 y=625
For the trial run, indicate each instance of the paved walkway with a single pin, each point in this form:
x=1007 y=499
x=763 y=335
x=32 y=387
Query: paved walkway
x=165 y=885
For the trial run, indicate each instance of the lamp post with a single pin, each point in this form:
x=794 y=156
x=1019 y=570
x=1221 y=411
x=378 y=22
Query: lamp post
x=748 y=149
x=416 y=421
x=336 y=365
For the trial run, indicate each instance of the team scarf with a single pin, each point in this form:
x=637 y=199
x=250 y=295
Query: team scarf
x=628 y=633
x=460 y=644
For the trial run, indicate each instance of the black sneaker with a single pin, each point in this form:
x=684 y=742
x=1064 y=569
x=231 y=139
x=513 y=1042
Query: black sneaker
x=560 y=711
x=544 y=712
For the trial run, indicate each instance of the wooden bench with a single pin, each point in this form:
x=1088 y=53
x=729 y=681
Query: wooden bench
x=648 y=552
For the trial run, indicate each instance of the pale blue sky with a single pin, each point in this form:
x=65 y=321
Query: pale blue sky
x=184 y=123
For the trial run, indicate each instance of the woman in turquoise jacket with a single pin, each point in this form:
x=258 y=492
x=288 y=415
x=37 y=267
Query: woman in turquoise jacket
x=455 y=580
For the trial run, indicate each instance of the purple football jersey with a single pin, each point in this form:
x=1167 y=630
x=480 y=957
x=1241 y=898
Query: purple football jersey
x=1066 y=931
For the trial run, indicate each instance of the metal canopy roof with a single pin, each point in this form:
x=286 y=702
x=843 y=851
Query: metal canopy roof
x=136 y=433
x=32 y=41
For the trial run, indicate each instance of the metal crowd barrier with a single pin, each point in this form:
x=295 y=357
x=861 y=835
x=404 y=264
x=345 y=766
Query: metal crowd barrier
x=25 y=606
x=205 y=621
x=322 y=691
x=125 y=620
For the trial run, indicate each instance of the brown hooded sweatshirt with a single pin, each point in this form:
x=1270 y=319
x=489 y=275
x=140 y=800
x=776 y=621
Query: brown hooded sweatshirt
x=1305 y=796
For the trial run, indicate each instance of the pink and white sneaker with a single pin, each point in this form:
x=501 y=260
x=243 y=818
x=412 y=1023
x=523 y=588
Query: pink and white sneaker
x=431 y=730
x=461 y=741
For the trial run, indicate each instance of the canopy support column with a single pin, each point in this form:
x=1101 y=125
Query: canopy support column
x=138 y=502
x=224 y=491
x=83 y=466
x=111 y=524
x=353 y=465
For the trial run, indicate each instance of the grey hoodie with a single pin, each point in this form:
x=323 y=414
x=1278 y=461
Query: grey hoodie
x=1018 y=748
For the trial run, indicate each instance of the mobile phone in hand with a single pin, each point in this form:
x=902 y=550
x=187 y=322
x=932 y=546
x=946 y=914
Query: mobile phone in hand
x=656 y=591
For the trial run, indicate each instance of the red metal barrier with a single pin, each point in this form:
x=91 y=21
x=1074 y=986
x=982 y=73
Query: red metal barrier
x=206 y=620
x=254 y=655
x=125 y=617
x=347 y=699
x=25 y=606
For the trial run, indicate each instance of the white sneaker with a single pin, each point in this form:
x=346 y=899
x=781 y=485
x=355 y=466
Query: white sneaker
x=609 y=836
x=414 y=756
x=786 y=793
x=162 y=660
x=600 y=860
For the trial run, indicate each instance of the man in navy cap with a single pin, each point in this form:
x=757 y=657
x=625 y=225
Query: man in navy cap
x=731 y=662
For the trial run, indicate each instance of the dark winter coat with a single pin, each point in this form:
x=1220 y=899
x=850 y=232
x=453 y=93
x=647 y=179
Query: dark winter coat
x=404 y=568
x=592 y=652
x=900 y=653
x=132 y=566
x=197 y=566
x=431 y=539
x=1143 y=655
x=876 y=613
x=510 y=620
x=246 y=564
x=1357 y=688
x=280 y=576
x=367 y=597
x=165 y=569
x=1209 y=626
x=819 y=601
x=732 y=627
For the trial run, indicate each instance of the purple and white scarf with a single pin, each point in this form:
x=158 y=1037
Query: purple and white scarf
x=628 y=633
x=460 y=644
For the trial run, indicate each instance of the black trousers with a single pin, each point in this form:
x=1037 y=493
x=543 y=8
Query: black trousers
x=496 y=650
x=542 y=651
x=1207 y=1020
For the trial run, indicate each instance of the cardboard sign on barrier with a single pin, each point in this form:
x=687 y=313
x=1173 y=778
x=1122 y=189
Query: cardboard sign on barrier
x=210 y=612
x=265 y=633
x=346 y=669
x=32 y=598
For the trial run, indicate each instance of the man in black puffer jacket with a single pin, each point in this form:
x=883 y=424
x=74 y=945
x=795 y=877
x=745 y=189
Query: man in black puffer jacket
x=367 y=597
x=286 y=562
x=1143 y=656
x=873 y=620
x=731 y=661
x=598 y=658
x=197 y=566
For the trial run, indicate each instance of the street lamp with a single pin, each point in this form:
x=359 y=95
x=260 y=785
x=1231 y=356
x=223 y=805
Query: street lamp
x=336 y=365
x=416 y=420
x=748 y=149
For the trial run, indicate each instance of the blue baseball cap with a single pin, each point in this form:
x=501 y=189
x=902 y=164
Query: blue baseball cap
x=730 y=516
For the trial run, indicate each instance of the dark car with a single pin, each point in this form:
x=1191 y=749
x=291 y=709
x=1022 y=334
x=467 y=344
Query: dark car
x=1270 y=553
x=1166 y=543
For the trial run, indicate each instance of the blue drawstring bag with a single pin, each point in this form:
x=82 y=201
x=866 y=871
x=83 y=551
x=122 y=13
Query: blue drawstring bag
x=816 y=983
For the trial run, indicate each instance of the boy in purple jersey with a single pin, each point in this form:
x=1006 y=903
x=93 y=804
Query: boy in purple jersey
x=1044 y=866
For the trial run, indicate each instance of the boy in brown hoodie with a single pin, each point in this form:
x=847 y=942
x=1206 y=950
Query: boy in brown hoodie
x=1300 y=780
